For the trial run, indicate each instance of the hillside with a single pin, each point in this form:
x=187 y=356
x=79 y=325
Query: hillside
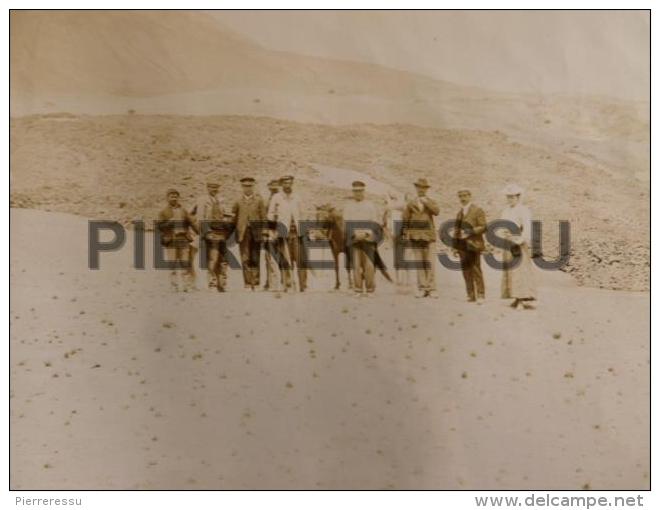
x=152 y=53
x=118 y=167
x=186 y=63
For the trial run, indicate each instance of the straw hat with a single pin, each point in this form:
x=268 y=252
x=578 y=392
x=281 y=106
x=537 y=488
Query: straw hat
x=513 y=189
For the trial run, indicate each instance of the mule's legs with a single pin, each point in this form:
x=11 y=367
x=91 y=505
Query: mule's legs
x=349 y=272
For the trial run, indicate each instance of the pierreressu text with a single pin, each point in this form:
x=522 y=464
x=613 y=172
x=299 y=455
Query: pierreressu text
x=497 y=234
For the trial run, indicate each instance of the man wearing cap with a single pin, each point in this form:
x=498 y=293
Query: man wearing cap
x=286 y=208
x=421 y=235
x=249 y=214
x=361 y=243
x=174 y=225
x=469 y=243
x=213 y=220
x=270 y=239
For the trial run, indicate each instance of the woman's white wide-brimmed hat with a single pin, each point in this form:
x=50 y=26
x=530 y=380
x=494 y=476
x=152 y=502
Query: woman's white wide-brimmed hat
x=513 y=189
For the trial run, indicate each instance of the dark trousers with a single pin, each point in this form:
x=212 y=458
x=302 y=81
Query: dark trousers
x=425 y=252
x=363 y=255
x=474 y=278
x=217 y=266
x=177 y=253
x=295 y=258
x=249 y=247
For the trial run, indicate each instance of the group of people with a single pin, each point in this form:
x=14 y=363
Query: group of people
x=256 y=224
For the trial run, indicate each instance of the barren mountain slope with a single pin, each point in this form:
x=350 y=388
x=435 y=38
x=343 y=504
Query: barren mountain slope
x=118 y=167
x=185 y=63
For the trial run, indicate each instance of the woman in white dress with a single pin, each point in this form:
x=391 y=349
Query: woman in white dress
x=518 y=280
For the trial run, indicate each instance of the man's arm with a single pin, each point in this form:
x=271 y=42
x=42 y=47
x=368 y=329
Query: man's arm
x=198 y=214
x=190 y=219
x=456 y=234
x=222 y=209
x=380 y=215
x=405 y=215
x=164 y=227
x=261 y=209
x=299 y=210
x=431 y=205
x=271 y=213
x=480 y=223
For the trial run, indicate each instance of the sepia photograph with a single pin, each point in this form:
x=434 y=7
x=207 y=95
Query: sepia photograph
x=329 y=250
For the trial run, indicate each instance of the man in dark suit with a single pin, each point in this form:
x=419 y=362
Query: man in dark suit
x=469 y=243
x=249 y=214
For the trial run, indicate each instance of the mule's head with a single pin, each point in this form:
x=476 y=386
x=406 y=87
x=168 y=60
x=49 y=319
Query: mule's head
x=324 y=213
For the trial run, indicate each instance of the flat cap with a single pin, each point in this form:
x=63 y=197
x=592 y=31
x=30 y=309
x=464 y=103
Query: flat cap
x=248 y=180
x=358 y=185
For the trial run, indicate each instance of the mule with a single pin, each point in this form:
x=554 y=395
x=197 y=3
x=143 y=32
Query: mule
x=335 y=234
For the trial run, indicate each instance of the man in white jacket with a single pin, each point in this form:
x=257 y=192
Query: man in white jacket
x=285 y=208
